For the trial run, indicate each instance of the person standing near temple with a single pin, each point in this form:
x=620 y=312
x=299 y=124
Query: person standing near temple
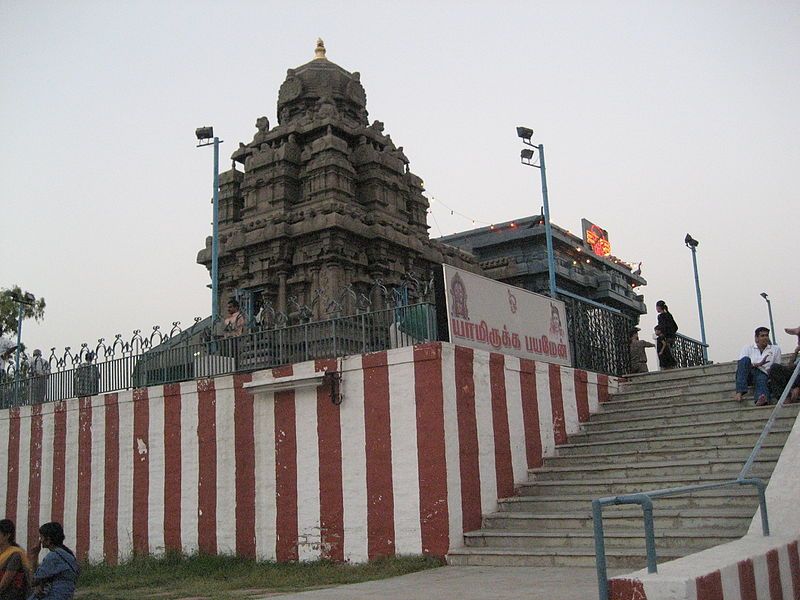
x=638 y=355
x=666 y=322
x=39 y=372
x=87 y=377
x=234 y=322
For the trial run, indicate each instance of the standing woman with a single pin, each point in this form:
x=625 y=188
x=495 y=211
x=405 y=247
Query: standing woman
x=666 y=323
x=55 y=578
x=15 y=572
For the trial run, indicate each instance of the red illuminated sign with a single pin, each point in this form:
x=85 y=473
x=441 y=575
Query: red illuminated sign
x=596 y=237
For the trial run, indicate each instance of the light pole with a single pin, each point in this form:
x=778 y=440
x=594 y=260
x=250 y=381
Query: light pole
x=692 y=244
x=205 y=137
x=769 y=308
x=526 y=157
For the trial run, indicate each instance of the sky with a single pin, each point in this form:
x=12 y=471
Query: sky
x=658 y=119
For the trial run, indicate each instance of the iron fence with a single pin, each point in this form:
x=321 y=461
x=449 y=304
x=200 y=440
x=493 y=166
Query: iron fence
x=688 y=352
x=174 y=360
x=599 y=337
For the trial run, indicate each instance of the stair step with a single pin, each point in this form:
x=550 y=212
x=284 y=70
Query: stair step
x=610 y=411
x=639 y=469
x=657 y=377
x=742 y=496
x=638 y=385
x=734 y=413
x=768 y=452
x=618 y=408
x=623 y=433
x=630 y=539
x=580 y=447
x=664 y=518
x=722 y=389
x=616 y=558
x=620 y=485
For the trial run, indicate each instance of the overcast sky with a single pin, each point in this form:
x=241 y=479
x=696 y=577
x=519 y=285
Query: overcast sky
x=658 y=118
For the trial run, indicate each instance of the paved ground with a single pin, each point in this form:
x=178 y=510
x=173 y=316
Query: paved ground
x=469 y=583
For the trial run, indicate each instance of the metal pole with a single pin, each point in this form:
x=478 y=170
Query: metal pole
x=771 y=323
x=19 y=337
x=215 y=241
x=649 y=535
x=699 y=304
x=600 y=550
x=548 y=231
x=762 y=503
x=16 y=354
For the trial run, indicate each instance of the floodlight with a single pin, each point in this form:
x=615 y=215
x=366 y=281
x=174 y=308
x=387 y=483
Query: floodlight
x=526 y=154
x=690 y=241
x=204 y=133
x=525 y=133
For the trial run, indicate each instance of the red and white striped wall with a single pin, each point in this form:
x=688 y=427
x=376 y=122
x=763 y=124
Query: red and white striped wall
x=773 y=573
x=424 y=442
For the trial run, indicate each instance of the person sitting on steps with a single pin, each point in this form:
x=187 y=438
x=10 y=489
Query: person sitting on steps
x=753 y=367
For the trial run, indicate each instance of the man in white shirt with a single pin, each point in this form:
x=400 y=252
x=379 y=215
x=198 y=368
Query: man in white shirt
x=753 y=367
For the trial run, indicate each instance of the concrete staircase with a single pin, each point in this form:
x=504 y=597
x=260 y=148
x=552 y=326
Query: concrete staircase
x=661 y=430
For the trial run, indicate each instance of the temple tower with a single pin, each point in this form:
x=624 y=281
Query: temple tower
x=325 y=200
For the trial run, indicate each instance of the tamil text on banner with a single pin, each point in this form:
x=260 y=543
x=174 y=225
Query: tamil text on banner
x=498 y=317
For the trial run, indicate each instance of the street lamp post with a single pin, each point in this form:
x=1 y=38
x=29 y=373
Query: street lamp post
x=692 y=244
x=526 y=157
x=769 y=308
x=205 y=137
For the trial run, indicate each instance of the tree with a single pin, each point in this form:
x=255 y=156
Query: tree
x=9 y=309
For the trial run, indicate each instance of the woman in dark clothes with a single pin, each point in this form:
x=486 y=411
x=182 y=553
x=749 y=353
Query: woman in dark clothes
x=55 y=577
x=665 y=321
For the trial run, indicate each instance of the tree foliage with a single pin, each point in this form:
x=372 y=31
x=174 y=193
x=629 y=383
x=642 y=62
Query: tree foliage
x=9 y=309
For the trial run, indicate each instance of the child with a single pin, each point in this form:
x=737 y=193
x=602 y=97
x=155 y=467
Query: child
x=665 y=358
x=638 y=355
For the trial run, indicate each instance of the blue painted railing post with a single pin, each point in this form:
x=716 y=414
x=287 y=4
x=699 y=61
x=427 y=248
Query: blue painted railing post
x=649 y=534
x=600 y=549
x=762 y=502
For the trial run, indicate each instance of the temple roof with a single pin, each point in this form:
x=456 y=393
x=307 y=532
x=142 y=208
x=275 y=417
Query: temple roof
x=320 y=82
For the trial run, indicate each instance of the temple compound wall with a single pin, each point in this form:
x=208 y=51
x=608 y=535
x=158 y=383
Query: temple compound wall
x=268 y=465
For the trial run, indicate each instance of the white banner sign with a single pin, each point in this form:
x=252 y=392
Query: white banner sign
x=498 y=317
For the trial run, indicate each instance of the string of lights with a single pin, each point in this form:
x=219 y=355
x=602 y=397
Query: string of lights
x=473 y=220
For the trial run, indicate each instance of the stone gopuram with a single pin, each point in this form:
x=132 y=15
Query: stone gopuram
x=325 y=201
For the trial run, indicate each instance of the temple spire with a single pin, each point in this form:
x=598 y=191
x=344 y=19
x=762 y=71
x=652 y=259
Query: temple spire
x=319 y=51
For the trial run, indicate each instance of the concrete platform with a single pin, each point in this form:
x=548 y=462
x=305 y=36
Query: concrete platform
x=470 y=583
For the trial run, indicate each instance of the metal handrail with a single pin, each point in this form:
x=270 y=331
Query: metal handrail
x=689 y=352
x=645 y=500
